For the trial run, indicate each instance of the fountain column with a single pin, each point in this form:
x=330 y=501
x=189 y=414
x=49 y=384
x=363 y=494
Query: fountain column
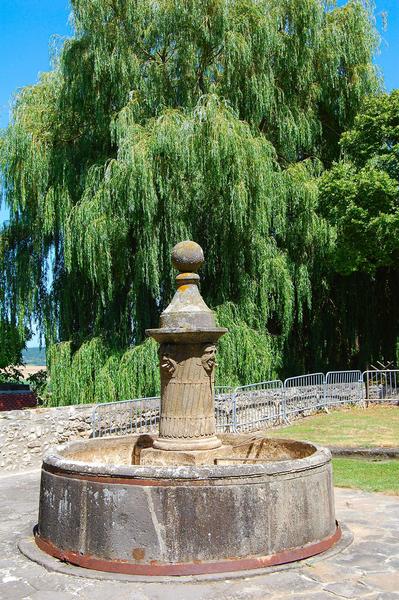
x=187 y=338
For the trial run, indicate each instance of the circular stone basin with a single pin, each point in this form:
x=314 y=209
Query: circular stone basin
x=263 y=502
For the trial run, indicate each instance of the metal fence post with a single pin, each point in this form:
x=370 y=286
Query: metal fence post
x=325 y=407
x=285 y=418
x=93 y=422
x=234 y=411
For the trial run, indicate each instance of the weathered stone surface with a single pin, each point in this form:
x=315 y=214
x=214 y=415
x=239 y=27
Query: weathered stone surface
x=15 y=590
x=348 y=589
x=182 y=514
x=388 y=582
x=152 y=456
x=187 y=419
x=53 y=595
x=274 y=586
x=25 y=435
x=187 y=337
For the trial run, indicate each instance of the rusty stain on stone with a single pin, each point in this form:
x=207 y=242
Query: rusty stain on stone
x=138 y=553
x=195 y=567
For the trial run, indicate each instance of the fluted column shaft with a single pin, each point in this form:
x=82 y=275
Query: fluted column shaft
x=187 y=392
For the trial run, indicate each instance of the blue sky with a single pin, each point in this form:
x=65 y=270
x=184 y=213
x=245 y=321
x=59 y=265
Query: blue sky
x=27 y=26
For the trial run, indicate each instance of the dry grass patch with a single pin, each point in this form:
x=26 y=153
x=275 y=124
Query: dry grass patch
x=354 y=427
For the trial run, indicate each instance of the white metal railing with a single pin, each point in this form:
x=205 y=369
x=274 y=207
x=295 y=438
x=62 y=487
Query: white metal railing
x=140 y=415
x=258 y=405
x=381 y=385
x=303 y=394
x=343 y=387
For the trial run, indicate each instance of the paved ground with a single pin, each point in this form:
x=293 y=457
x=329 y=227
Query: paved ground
x=369 y=568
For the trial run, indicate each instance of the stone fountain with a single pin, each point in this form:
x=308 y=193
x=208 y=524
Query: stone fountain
x=186 y=501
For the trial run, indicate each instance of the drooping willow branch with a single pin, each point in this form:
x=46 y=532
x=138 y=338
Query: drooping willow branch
x=147 y=133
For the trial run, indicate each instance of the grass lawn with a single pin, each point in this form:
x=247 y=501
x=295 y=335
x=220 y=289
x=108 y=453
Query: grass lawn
x=371 y=476
x=354 y=427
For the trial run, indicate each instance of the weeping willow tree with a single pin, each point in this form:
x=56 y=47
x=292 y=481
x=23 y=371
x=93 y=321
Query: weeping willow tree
x=169 y=120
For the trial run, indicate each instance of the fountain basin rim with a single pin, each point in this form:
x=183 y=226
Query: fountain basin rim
x=58 y=463
x=80 y=479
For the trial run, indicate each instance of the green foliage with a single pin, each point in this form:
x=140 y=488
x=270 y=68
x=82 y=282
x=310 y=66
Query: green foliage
x=38 y=382
x=10 y=374
x=359 y=198
x=166 y=121
x=245 y=354
x=59 y=364
x=11 y=344
x=106 y=380
x=138 y=373
x=97 y=373
x=360 y=193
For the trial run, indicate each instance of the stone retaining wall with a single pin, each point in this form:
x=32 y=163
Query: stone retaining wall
x=26 y=434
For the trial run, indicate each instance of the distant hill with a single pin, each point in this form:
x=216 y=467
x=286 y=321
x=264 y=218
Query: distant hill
x=34 y=356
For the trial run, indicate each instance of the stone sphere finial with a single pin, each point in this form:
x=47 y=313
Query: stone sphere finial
x=187 y=257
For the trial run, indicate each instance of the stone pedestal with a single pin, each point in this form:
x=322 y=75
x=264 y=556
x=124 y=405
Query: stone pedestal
x=187 y=339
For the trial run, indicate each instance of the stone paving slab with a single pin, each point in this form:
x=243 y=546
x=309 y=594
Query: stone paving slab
x=368 y=569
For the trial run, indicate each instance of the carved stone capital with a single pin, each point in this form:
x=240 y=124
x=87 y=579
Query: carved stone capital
x=167 y=363
x=208 y=358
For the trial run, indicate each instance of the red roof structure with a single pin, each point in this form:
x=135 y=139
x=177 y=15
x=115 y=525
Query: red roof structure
x=17 y=399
